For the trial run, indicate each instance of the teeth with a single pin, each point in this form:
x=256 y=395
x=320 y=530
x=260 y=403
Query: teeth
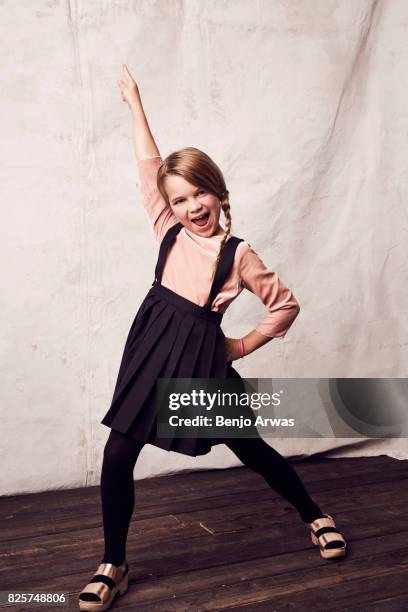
x=202 y=216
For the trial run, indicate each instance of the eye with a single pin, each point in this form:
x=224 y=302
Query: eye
x=201 y=191
x=177 y=201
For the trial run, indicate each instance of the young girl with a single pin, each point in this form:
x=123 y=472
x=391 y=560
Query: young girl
x=201 y=269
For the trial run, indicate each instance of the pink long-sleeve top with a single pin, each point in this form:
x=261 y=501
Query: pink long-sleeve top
x=192 y=253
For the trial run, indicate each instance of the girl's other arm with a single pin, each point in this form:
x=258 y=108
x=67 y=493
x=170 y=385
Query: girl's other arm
x=148 y=159
x=282 y=307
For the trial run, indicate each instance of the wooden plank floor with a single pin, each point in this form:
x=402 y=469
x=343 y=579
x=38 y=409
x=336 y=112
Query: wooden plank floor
x=223 y=540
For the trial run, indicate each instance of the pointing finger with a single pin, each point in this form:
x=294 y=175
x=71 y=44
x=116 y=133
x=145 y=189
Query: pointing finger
x=126 y=70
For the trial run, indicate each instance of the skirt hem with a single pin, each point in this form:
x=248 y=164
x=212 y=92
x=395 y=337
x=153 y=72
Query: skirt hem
x=162 y=443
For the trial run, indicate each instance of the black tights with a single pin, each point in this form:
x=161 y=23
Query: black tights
x=118 y=496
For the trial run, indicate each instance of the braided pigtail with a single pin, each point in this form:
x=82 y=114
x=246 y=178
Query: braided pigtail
x=227 y=213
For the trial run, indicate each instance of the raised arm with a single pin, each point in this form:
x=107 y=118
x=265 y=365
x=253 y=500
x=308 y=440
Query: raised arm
x=143 y=141
x=148 y=159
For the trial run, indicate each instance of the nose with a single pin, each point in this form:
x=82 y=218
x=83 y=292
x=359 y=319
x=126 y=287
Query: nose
x=194 y=205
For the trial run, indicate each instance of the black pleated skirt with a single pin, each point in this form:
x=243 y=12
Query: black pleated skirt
x=170 y=337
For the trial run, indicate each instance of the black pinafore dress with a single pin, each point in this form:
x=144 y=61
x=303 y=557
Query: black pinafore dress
x=170 y=337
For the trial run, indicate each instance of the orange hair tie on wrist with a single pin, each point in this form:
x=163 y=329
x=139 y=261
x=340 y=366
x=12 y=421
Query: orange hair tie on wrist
x=241 y=345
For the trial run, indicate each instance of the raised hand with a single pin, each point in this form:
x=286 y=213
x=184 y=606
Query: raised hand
x=129 y=89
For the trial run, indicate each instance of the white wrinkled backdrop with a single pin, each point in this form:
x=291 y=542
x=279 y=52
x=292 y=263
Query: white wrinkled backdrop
x=303 y=105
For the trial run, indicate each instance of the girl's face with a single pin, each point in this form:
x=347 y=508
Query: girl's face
x=188 y=202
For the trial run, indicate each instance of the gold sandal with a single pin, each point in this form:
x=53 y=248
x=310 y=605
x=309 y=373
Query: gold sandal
x=106 y=583
x=325 y=534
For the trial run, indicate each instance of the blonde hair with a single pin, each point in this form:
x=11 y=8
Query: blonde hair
x=197 y=168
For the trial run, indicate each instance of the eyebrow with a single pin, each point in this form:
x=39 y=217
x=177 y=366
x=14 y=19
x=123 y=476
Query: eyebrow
x=178 y=197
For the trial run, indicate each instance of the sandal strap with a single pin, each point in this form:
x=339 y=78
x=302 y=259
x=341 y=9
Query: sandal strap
x=326 y=521
x=113 y=571
x=99 y=589
x=323 y=530
x=105 y=579
x=328 y=537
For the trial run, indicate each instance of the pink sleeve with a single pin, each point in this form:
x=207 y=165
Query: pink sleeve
x=161 y=215
x=282 y=307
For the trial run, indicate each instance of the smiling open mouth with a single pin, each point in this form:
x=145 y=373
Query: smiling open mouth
x=201 y=221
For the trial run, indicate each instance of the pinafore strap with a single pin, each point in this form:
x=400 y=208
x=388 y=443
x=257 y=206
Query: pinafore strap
x=165 y=246
x=223 y=268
